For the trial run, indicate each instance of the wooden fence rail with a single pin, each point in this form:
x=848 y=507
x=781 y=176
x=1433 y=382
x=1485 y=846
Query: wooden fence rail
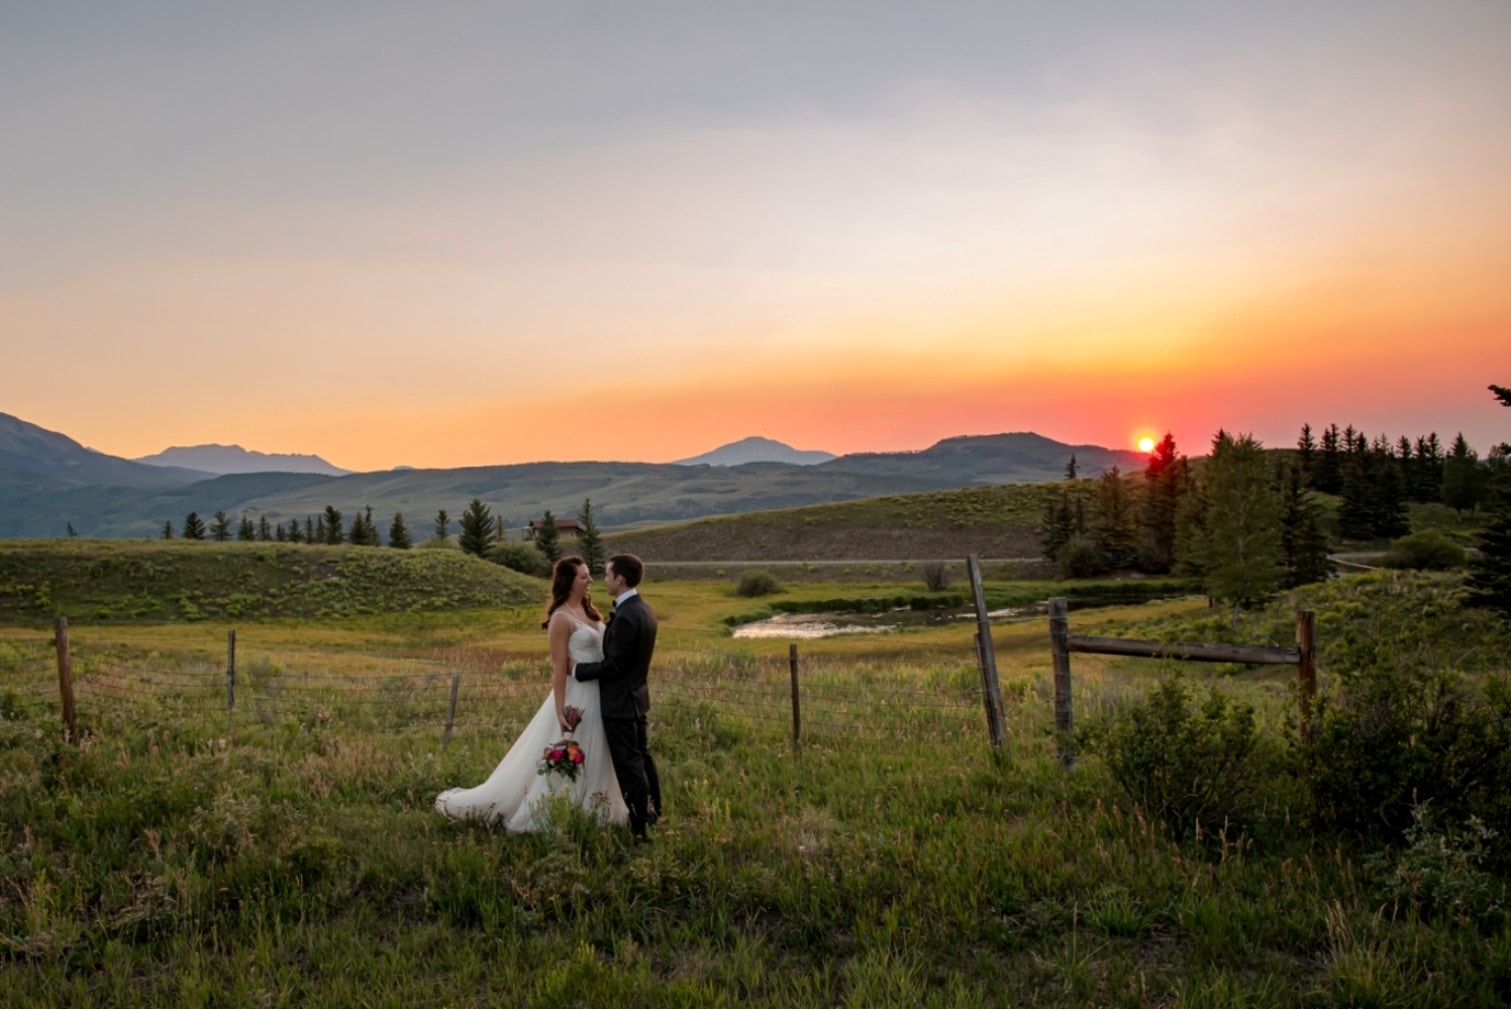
x=1062 y=643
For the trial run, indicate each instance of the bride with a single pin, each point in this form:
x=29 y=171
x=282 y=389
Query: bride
x=515 y=793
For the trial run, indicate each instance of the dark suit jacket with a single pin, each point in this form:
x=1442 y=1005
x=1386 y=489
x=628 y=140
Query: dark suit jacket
x=627 y=647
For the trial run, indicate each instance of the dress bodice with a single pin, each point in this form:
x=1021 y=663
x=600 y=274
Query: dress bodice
x=586 y=642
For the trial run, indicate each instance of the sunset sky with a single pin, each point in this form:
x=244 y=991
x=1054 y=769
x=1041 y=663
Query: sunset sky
x=468 y=233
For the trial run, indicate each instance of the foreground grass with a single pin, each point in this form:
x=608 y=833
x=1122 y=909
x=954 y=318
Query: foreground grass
x=291 y=857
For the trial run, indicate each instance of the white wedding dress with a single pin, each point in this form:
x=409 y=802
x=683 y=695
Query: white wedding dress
x=513 y=794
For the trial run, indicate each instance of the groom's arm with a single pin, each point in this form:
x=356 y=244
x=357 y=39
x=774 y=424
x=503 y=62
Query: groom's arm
x=618 y=654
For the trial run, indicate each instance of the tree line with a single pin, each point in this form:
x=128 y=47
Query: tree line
x=1246 y=523
x=480 y=532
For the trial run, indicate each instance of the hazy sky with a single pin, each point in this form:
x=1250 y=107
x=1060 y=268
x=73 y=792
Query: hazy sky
x=466 y=233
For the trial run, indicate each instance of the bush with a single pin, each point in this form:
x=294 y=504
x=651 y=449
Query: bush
x=936 y=577
x=521 y=557
x=757 y=582
x=1182 y=763
x=1080 y=558
x=1438 y=873
x=1425 y=551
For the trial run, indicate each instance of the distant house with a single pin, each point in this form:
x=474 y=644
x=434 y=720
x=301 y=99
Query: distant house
x=566 y=529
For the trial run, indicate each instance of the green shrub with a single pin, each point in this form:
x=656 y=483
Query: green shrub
x=1425 y=551
x=1183 y=763
x=521 y=557
x=757 y=582
x=1080 y=558
x=1438 y=873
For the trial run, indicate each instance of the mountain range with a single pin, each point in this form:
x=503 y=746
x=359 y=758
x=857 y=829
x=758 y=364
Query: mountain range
x=756 y=449
x=48 y=481
x=222 y=460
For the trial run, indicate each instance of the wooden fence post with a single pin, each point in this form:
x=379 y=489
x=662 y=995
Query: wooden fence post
x=230 y=673
x=1059 y=633
x=65 y=680
x=456 y=681
x=1306 y=669
x=986 y=656
x=797 y=718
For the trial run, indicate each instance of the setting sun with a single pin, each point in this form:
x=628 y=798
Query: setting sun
x=1146 y=444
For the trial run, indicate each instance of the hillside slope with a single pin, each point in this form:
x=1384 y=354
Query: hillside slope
x=102 y=580
x=996 y=522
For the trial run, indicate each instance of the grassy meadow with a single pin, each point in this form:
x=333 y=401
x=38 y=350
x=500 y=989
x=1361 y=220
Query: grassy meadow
x=287 y=854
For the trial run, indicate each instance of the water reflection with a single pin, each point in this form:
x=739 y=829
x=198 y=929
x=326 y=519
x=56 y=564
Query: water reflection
x=803 y=626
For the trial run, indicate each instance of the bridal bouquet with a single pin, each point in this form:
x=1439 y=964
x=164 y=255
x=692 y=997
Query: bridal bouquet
x=564 y=756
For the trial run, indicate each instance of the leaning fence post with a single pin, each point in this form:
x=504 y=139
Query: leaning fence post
x=456 y=681
x=986 y=656
x=1059 y=631
x=1306 y=668
x=797 y=718
x=230 y=673
x=65 y=680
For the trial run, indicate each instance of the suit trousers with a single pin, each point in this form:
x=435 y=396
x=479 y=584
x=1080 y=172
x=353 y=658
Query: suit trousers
x=635 y=770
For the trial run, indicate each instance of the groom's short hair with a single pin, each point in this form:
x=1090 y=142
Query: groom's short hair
x=629 y=567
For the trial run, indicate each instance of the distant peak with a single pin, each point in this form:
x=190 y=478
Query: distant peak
x=225 y=460
x=756 y=449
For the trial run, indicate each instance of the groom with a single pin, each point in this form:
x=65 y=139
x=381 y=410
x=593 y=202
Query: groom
x=623 y=695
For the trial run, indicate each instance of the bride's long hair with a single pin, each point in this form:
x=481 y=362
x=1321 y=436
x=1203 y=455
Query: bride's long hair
x=563 y=574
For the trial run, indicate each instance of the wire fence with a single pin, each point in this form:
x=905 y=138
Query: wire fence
x=470 y=691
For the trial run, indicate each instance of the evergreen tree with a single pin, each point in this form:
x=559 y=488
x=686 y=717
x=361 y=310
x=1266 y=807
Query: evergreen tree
x=1070 y=467
x=546 y=540
x=1392 y=518
x=1239 y=546
x=1056 y=524
x=1115 y=531
x=1357 y=511
x=333 y=526
x=168 y=530
x=371 y=537
x=194 y=527
x=296 y=533
x=476 y=534
x=398 y=533
x=1328 y=477
x=1303 y=539
x=1306 y=452
x=357 y=534
x=1461 y=477
x=1165 y=480
x=442 y=525
x=70 y=530
x=220 y=528
x=264 y=529
x=590 y=540
x=310 y=531
x=319 y=535
x=1490 y=573
x=500 y=533
x=1427 y=469
x=279 y=534
x=246 y=531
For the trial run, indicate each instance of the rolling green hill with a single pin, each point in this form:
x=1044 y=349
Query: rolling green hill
x=102 y=580
x=997 y=522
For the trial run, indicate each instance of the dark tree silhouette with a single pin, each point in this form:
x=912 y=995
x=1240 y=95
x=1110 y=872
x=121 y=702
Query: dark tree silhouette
x=194 y=527
x=590 y=540
x=546 y=539
x=476 y=529
x=220 y=528
x=398 y=533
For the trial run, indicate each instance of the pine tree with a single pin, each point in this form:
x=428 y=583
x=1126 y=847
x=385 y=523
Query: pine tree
x=590 y=540
x=1461 y=477
x=278 y=533
x=194 y=527
x=220 y=528
x=296 y=533
x=1427 y=471
x=1070 y=467
x=1490 y=573
x=1239 y=549
x=442 y=525
x=357 y=535
x=1357 y=511
x=264 y=529
x=333 y=526
x=1306 y=452
x=476 y=534
x=1303 y=539
x=246 y=531
x=71 y=532
x=1392 y=518
x=1165 y=480
x=1328 y=477
x=398 y=533
x=319 y=535
x=168 y=530
x=1057 y=525
x=546 y=539
x=1116 y=529
x=500 y=534
x=309 y=531
x=371 y=538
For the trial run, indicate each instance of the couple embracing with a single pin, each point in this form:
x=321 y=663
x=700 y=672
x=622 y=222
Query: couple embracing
x=599 y=694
